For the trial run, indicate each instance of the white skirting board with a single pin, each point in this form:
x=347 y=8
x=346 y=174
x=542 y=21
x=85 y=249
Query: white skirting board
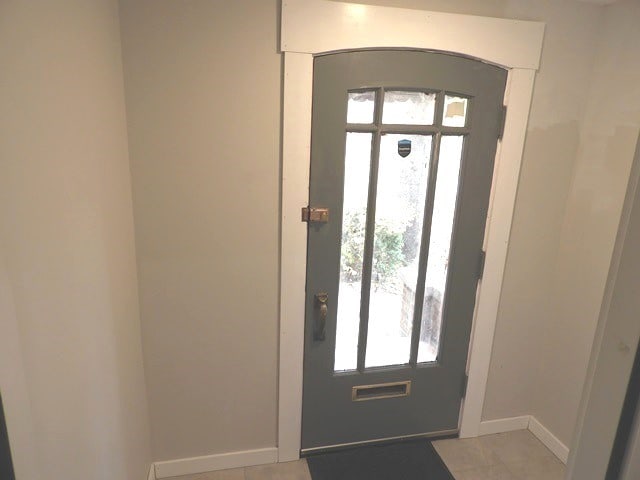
x=549 y=440
x=529 y=422
x=210 y=463
x=504 y=425
x=152 y=472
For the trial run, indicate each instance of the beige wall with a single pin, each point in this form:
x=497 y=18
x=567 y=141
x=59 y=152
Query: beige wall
x=613 y=355
x=203 y=102
x=75 y=387
x=553 y=139
x=13 y=385
x=203 y=83
x=607 y=144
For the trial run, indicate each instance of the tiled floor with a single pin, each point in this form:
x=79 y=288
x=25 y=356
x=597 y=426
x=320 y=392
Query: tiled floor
x=505 y=456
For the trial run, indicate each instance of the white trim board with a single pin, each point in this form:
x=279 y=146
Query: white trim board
x=502 y=425
x=513 y=44
x=527 y=422
x=549 y=440
x=305 y=24
x=210 y=463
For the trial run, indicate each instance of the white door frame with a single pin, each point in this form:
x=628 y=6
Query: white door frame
x=311 y=27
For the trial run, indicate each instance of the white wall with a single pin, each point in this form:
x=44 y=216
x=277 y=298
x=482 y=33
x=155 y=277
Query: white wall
x=74 y=387
x=203 y=103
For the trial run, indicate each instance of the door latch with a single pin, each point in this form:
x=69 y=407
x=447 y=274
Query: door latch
x=321 y=318
x=315 y=215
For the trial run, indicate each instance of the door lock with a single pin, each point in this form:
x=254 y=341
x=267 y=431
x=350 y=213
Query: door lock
x=321 y=317
x=315 y=215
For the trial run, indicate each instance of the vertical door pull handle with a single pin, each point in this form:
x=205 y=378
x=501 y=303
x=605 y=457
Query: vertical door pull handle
x=321 y=317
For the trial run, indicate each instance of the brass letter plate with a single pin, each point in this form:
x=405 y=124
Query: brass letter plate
x=315 y=215
x=381 y=390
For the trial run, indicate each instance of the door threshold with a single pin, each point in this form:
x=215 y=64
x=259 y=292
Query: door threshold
x=305 y=452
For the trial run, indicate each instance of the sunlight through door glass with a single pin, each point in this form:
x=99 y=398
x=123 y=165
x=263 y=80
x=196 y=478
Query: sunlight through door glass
x=356 y=185
x=444 y=208
x=400 y=203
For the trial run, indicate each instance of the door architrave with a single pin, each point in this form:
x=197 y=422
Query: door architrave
x=313 y=27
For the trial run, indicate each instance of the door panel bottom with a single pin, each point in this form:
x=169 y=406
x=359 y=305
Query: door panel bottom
x=379 y=441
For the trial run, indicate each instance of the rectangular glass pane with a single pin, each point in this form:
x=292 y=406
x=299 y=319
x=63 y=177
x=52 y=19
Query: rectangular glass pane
x=444 y=208
x=408 y=108
x=402 y=186
x=360 y=107
x=356 y=186
x=455 y=111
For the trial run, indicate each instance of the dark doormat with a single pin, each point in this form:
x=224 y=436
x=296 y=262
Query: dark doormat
x=408 y=460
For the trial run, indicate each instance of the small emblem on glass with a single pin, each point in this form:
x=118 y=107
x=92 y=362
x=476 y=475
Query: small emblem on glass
x=404 y=148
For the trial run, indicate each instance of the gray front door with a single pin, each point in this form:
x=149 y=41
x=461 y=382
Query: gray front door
x=403 y=146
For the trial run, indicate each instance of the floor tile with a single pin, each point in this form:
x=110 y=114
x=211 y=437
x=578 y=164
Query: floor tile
x=494 y=472
x=279 y=471
x=233 y=474
x=514 y=447
x=548 y=468
x=506 y=456
x=463 y=454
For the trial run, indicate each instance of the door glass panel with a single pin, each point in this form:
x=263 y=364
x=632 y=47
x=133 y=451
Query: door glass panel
x=408 y=108
x=356 y=185
x=401 y=192
x=360 y=107
x=455 y=111
x=439 y=246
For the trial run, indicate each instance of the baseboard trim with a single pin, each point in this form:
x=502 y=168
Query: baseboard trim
x=531 y=423
x=502 y=425
x=549 y=440
x=210 y=463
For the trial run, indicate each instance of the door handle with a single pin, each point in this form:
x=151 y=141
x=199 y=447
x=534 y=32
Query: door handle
x=321 y=317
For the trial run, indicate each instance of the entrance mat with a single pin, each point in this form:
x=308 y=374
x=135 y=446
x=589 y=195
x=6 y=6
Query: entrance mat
x=407 y=460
